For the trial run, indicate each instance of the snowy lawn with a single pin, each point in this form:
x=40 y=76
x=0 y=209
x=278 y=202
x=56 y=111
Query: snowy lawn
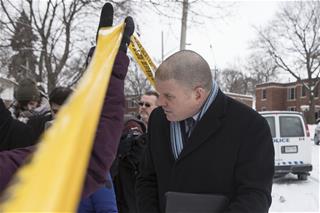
x=292 y=195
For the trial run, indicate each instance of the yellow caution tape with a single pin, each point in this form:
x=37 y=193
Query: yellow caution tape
x=53 y=180
x=142 y=58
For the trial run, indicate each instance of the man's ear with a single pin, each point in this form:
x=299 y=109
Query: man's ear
x=200 y=93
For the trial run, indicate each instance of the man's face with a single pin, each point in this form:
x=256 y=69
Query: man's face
x=147 y=103
x=54 y=109
x=178 y=101
x=32 y=105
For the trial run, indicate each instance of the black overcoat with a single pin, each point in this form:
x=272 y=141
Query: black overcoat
x=229 y=152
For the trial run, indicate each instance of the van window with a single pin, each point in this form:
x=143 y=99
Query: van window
x=271 y=123
x=291 y=126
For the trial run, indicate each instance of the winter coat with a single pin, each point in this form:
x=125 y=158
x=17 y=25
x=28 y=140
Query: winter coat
x=13 y=133
x=131 y=146
x=126 y=166
x=10 y=161
x=229 y=152
x=106 y=140
x=37 y=123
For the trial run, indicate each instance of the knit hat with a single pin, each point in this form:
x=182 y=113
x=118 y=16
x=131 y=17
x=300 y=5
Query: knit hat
x=27 y=91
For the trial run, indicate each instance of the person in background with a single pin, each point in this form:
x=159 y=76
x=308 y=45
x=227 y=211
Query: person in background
x=131 y=149
x=38 y=123
x=30 y=100
x=27 y=97
x=16 y=134
x=44 y=101
x=201 y=141
x=147 y=104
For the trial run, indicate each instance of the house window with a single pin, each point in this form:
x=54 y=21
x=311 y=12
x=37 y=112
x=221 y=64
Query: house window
x=292 y=93
x=264 y=94
x=292 y=108
x=131 y=103
x=303 y=91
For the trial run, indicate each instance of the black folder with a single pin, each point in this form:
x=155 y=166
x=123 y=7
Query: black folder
x=178 y=202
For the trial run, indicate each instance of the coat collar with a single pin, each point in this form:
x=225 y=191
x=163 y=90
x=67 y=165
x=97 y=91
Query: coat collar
x=208 y=124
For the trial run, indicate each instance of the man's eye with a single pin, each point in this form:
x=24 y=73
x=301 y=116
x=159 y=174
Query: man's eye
x=169 y=97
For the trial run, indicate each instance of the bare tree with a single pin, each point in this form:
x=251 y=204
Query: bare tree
x=4 y=61
x=232 y=80
x=293 y=41
x=136 y=82
x=74 y=70
x=60 y=28
x=53 y=22
x=235 y=81
x=262 y=67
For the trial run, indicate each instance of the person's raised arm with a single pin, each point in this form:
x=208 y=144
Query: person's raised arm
x=111 y=119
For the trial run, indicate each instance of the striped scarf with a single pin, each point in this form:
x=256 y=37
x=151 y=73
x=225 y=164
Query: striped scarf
x=175 y=126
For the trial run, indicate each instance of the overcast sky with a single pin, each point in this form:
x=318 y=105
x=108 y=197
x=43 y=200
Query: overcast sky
x=229 y=38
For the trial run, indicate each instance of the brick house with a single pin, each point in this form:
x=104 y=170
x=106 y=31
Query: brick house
x=131 y=104
x=245 y=99
x=284 y=96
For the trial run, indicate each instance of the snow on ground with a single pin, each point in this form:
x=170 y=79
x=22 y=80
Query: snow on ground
x=292 y=195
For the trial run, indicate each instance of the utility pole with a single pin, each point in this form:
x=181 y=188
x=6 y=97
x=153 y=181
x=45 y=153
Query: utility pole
x=162 y=46
x=215 y=72
x=185 y=5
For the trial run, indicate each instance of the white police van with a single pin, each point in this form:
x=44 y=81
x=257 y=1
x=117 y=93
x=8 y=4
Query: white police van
x=291 y=141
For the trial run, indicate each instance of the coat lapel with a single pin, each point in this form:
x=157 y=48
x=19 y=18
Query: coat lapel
x=164 y=125
x=168 y=144
x=207 y=126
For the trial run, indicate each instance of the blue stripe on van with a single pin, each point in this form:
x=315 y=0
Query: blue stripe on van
x=289 y=163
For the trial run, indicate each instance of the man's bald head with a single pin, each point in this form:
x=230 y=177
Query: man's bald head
x=187 y=67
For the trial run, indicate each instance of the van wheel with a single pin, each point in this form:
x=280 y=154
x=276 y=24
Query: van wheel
x=302 y=176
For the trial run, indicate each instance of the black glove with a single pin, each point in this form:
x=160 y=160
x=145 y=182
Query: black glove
x=106 y=17
x=106 y=20
x=127 y=33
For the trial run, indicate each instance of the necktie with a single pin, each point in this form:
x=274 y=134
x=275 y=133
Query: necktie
x=190 y=122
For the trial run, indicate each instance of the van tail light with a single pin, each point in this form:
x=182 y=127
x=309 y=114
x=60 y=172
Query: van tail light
x=307 y=129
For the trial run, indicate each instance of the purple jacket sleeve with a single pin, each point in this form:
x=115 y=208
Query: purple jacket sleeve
x=10 y=161
x=109 y=128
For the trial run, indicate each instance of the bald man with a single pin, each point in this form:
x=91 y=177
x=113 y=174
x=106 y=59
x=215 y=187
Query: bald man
x=203 y=142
